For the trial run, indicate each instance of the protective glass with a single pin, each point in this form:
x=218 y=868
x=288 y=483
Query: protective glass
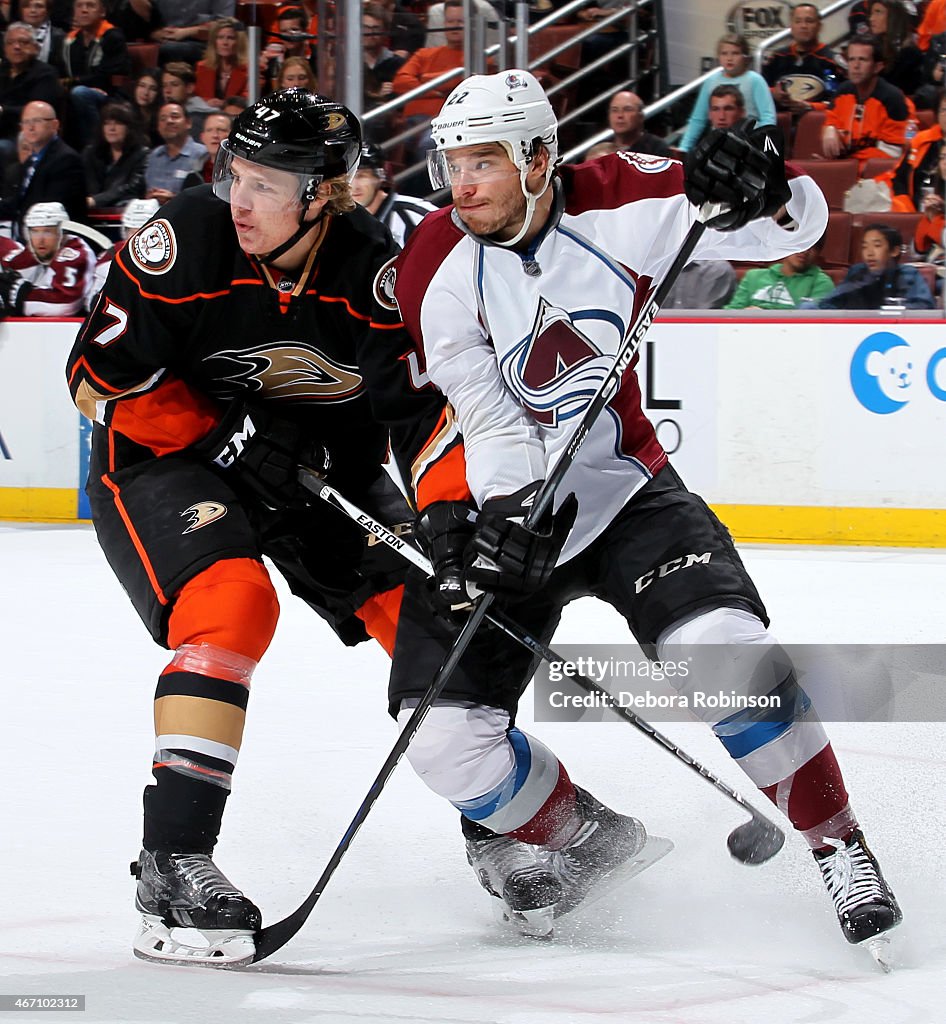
x=256 y=186
x=454 y=167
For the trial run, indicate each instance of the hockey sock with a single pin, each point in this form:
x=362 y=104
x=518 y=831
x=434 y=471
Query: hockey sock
x=199 y=720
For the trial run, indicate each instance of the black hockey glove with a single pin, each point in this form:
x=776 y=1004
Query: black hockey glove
x=512 y=561
x=741 y=168
x=444 y=530
x=13 y=292
x=265 y=453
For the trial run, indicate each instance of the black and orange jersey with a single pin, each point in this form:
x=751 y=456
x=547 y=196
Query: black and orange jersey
x=186 y=322
x=812 y=74
x=875 y=127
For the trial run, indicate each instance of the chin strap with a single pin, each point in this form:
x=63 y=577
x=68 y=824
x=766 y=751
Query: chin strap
x=305 y=226
x=531 y=200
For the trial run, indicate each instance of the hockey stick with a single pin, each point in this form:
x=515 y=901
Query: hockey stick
x=753 y=842
x=269 y=939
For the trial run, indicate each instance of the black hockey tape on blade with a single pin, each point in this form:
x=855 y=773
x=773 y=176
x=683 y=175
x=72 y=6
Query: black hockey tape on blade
x=755 y=842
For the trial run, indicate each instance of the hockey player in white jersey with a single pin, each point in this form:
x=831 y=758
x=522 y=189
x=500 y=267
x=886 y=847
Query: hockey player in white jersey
x=517 y=297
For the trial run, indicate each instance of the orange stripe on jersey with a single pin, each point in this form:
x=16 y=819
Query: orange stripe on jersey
x=341 y=298
x=387 y=327
x=445 y=480
x=136 y=540
x=184 y=298
x=379 y=614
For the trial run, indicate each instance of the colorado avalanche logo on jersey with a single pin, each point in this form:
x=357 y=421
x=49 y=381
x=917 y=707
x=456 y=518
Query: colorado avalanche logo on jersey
x=555 y=369
x=288 y=371
x=644 y=162
x=153 y=249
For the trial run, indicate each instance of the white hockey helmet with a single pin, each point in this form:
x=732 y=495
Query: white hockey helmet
x=510 y=108
x=137 y=213
x=44 y=215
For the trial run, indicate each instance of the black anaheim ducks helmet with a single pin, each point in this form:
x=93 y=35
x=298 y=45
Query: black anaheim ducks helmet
x=297 y=131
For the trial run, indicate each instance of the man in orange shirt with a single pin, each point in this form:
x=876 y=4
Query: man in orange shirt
x=868 y=116
x=424 y=66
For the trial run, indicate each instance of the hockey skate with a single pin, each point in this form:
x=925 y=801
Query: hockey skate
x=606 y=850
x=865 y=905
x=525 y=890
x=191 y=913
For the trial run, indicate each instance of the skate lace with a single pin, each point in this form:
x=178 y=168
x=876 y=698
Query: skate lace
x=507 y=856
x=199 y=871
x=850 y=875
x=565 y=865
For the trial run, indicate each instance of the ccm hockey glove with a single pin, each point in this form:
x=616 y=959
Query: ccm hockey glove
x=13 y=292
x=741 y=168
x=511 y=560
x=444 y=530
x=265 y=453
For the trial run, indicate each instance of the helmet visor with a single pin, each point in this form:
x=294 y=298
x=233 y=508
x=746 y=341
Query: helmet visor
x=253 y=186
x=470 y=165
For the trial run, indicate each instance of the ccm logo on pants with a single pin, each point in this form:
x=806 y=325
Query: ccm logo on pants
x=683 y=562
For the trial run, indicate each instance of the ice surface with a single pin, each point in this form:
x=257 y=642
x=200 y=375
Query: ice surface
x=404 y=934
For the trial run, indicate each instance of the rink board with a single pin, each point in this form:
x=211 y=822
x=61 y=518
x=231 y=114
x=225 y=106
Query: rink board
x=810 y=432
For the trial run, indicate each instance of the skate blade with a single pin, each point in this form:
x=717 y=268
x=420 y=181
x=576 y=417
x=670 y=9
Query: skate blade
x=534 y=924
x=190 y=947
x=881 y=950
x=654 y=848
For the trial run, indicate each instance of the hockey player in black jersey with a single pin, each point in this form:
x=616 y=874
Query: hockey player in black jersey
x=237 y=337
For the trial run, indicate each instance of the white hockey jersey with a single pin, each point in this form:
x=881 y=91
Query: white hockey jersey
x=520 y=342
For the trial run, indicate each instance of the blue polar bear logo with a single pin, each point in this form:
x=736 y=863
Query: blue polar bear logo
x=882 y=373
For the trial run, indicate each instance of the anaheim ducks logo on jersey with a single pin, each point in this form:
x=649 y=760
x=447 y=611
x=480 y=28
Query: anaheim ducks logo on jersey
x=556 y=368
x=289 y=370
x=384 y=283
x=203 y=514
x=153 y=249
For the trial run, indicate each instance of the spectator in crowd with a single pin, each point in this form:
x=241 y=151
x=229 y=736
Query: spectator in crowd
x=807 y=71
x=858 y=18
x=23 y=79
x=51 y=274
x=380 y=63
x=424 y=66
x=179 y=85
x=13 y=168
x=732 y=52
x=233 y=106
x=880 y=280
x=49 y=37
x=115 y=162
x=185 y=25
x=784 y=285
x=135 y=215
x=53 y=173
x=296 y=73
x=727 y=105
x=216 y=129
x=889 y=23
x=223 y=71
x=407 y=30
x=436 y=15
x=291 y=41
x=146 y=101
x=95 y=51
x=179 y=155
x=601 y=149
x=702 y=284
x=928 y=237
x=933 y=23
x=373 y=190
x=626 y=120
x=917 y=167
x=868 y=116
